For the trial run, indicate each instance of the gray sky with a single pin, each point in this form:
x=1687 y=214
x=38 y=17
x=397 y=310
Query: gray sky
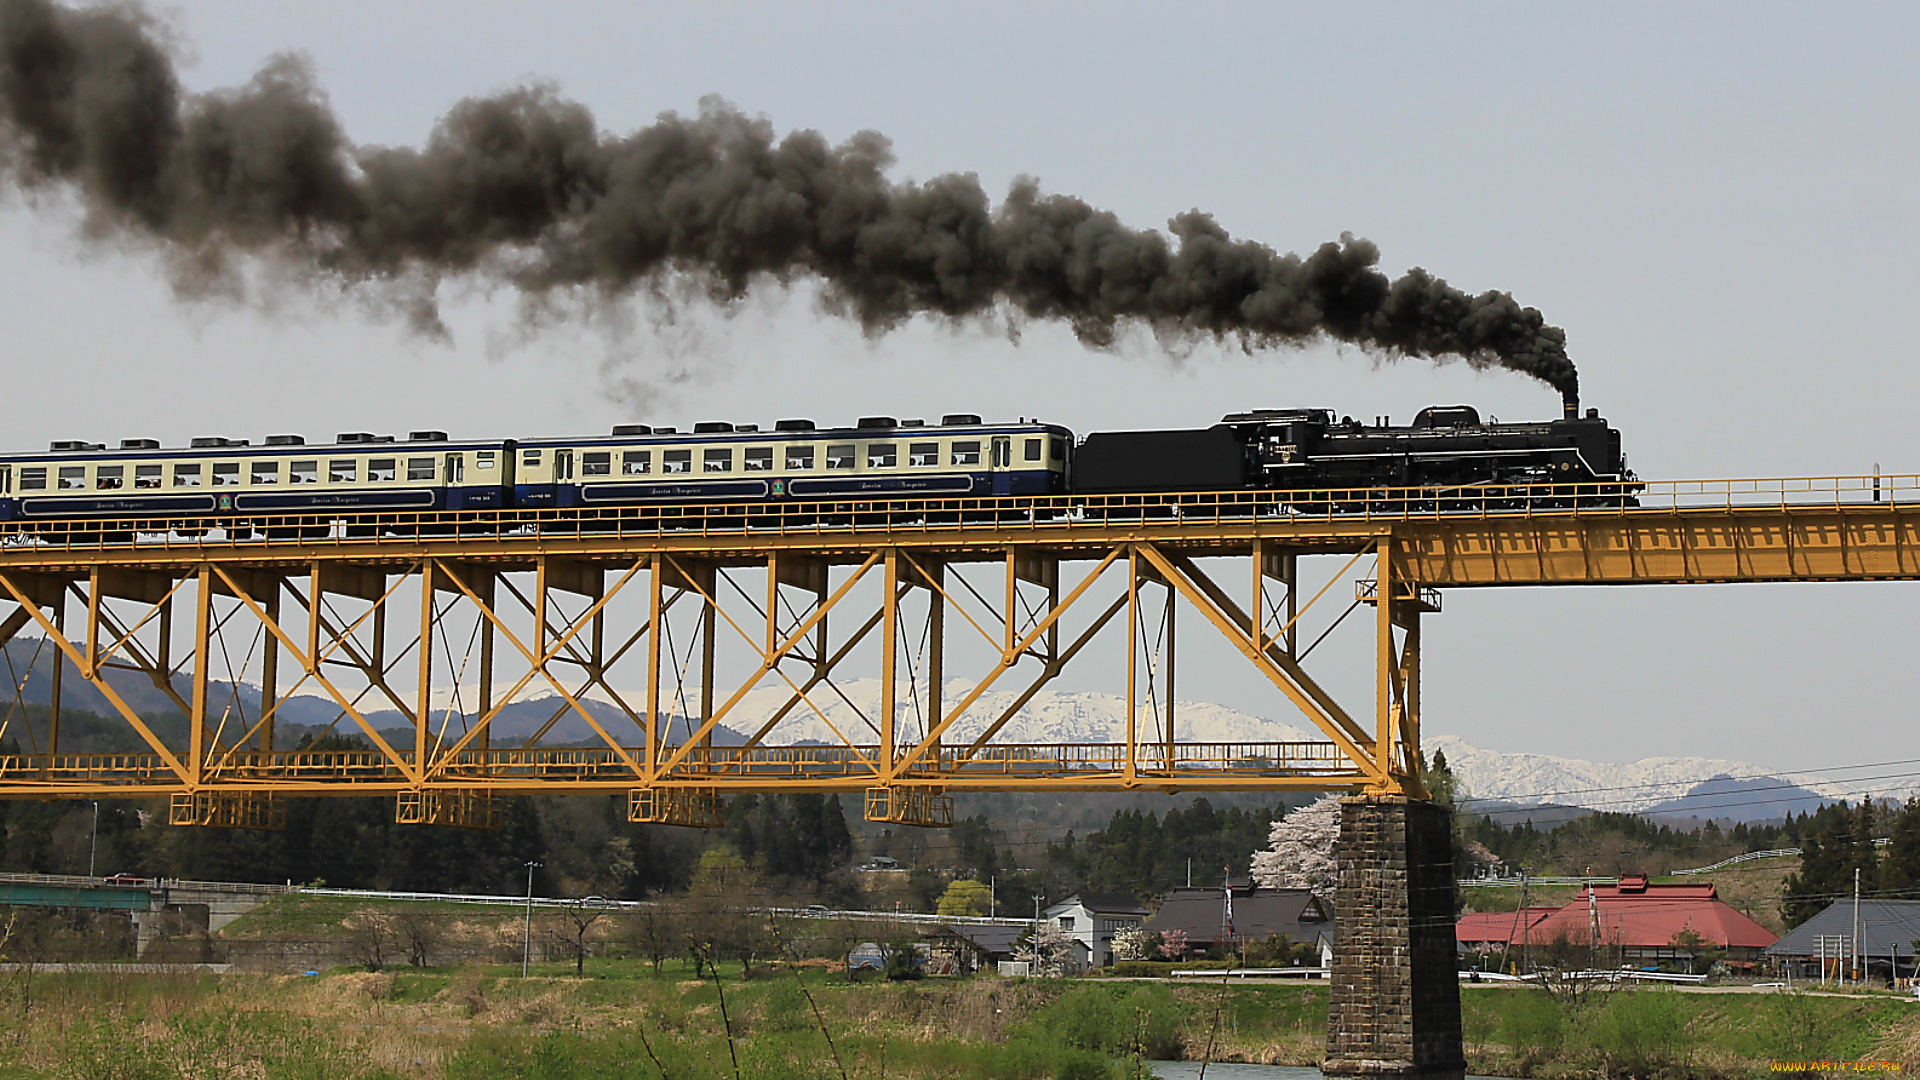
x=1715 y=203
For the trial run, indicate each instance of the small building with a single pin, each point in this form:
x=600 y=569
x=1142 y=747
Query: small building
x=1642 y=919
x=1496 y=931
x=966 y=948
x=1201 y=912
x=1823 y=945
x=1092 y=919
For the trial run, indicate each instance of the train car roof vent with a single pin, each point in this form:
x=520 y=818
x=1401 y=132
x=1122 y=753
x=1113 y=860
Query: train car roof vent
x=632 y=429
x=959 y=419
x=746 y=427
x=215 y=440
x=139 y=444
x=793 y=425
x=665 y=431
x=913 y=423
x=286 y=440
x=63 y=446
x=877 y=422
x=353 y=437
x=711 y=427
x=426 y=436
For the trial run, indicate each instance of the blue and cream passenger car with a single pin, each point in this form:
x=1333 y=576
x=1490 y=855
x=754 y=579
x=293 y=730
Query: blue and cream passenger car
x=223 y=478
x=880 y=458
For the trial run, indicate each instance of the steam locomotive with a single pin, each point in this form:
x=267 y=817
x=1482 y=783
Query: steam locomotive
x=1294 y=454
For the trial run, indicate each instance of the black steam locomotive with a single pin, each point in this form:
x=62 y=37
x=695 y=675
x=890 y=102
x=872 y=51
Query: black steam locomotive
x=1450 y=448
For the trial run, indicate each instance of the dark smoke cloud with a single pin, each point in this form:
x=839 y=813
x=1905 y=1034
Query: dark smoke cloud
x=523 y=188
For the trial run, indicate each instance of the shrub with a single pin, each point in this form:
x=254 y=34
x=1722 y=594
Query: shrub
x=1639 y=1030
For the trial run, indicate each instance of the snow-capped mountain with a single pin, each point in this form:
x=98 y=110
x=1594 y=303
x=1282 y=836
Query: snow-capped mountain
x=1719 y=787
x=1050 y=717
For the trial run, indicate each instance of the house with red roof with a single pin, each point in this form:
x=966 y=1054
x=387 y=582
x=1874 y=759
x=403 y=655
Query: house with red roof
x=1641 y=919
x=1495 y=931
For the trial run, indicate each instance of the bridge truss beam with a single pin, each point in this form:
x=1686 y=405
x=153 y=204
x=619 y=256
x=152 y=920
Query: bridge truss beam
x=455 y=645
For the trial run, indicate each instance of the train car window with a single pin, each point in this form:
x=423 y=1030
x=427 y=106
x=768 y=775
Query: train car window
x=530 y=457
x=921 y=455
x=1059 y=448
x=226 y=473
x=676 y=461
x=1032 y=450
x=33 y=479
x=840 y=455
x=73 y=477
x=717 y=459
x=343 y=471
x=882 y=455
x=380 y=470
x=799 y=458
x=419 y=469
x=303 y=472
x=6 y=480
x=185 y=475
x=265 y=472
x=146 y=477
x=636 y=462
x=109 y=477
x=483 y=460
x=598 y=463
x=966 y=453
x=757 y=459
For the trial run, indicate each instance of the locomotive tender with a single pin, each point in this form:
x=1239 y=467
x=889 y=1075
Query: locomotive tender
x=227 y=482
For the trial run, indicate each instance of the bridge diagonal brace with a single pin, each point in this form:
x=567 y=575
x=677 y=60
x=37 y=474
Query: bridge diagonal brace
x=1055 y=665
x=106 y=689
x=537 y=668
x=342 y=641
x=823 y=670
x=1234 y=630
x=1274 y=654
x=769 y=661
x=539 y=664
x=408 y=769
x=1007 y=659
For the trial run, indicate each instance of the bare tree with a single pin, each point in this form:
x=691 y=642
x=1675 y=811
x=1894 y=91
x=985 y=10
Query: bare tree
x=575 y=928
x=421 y=935
x=656 y=933
x=372 y=939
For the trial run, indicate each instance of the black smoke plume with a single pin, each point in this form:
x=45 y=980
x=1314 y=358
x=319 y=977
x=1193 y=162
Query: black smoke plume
x=523 y=188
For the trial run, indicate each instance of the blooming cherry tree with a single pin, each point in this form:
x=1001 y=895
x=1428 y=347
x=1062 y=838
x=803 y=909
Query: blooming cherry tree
x=1299 y=851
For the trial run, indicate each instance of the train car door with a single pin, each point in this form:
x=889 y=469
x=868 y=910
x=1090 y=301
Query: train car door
x=456 y=473
x=1002 y=465
x=563 y=479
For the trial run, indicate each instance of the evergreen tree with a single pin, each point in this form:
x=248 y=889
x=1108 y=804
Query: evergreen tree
x=1834 y=842
x=1900 y=869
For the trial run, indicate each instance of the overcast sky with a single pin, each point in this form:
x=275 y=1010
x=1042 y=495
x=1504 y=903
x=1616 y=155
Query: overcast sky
x=1715 y=202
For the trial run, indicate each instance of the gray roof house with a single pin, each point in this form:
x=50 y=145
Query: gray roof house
x=1888 y=929
x=1201 y=912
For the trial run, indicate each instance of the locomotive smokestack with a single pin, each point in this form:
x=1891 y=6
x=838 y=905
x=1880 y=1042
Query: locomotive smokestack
x=522 y=189
x=1570 y=404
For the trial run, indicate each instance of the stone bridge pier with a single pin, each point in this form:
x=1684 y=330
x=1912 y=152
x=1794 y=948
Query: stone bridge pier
x=1394 y=1010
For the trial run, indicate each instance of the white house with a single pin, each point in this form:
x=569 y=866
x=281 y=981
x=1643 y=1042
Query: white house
x=1092 y=919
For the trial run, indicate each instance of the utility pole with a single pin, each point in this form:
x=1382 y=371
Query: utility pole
x=1526 y=920
x=1593 y=923
x=93 y=847
x=1856 y=925
x=526 y=942
x=993 y=895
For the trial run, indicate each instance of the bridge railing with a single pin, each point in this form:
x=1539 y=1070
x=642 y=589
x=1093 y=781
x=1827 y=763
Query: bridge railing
x=719 y=763
x=1047 y=513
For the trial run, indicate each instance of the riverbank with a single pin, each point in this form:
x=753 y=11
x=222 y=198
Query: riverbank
x=625 y=1021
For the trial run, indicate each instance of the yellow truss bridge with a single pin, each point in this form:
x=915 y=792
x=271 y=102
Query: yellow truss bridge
x=448 y=619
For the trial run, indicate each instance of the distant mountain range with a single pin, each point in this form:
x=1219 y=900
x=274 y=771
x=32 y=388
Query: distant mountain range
x=1495 y=781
